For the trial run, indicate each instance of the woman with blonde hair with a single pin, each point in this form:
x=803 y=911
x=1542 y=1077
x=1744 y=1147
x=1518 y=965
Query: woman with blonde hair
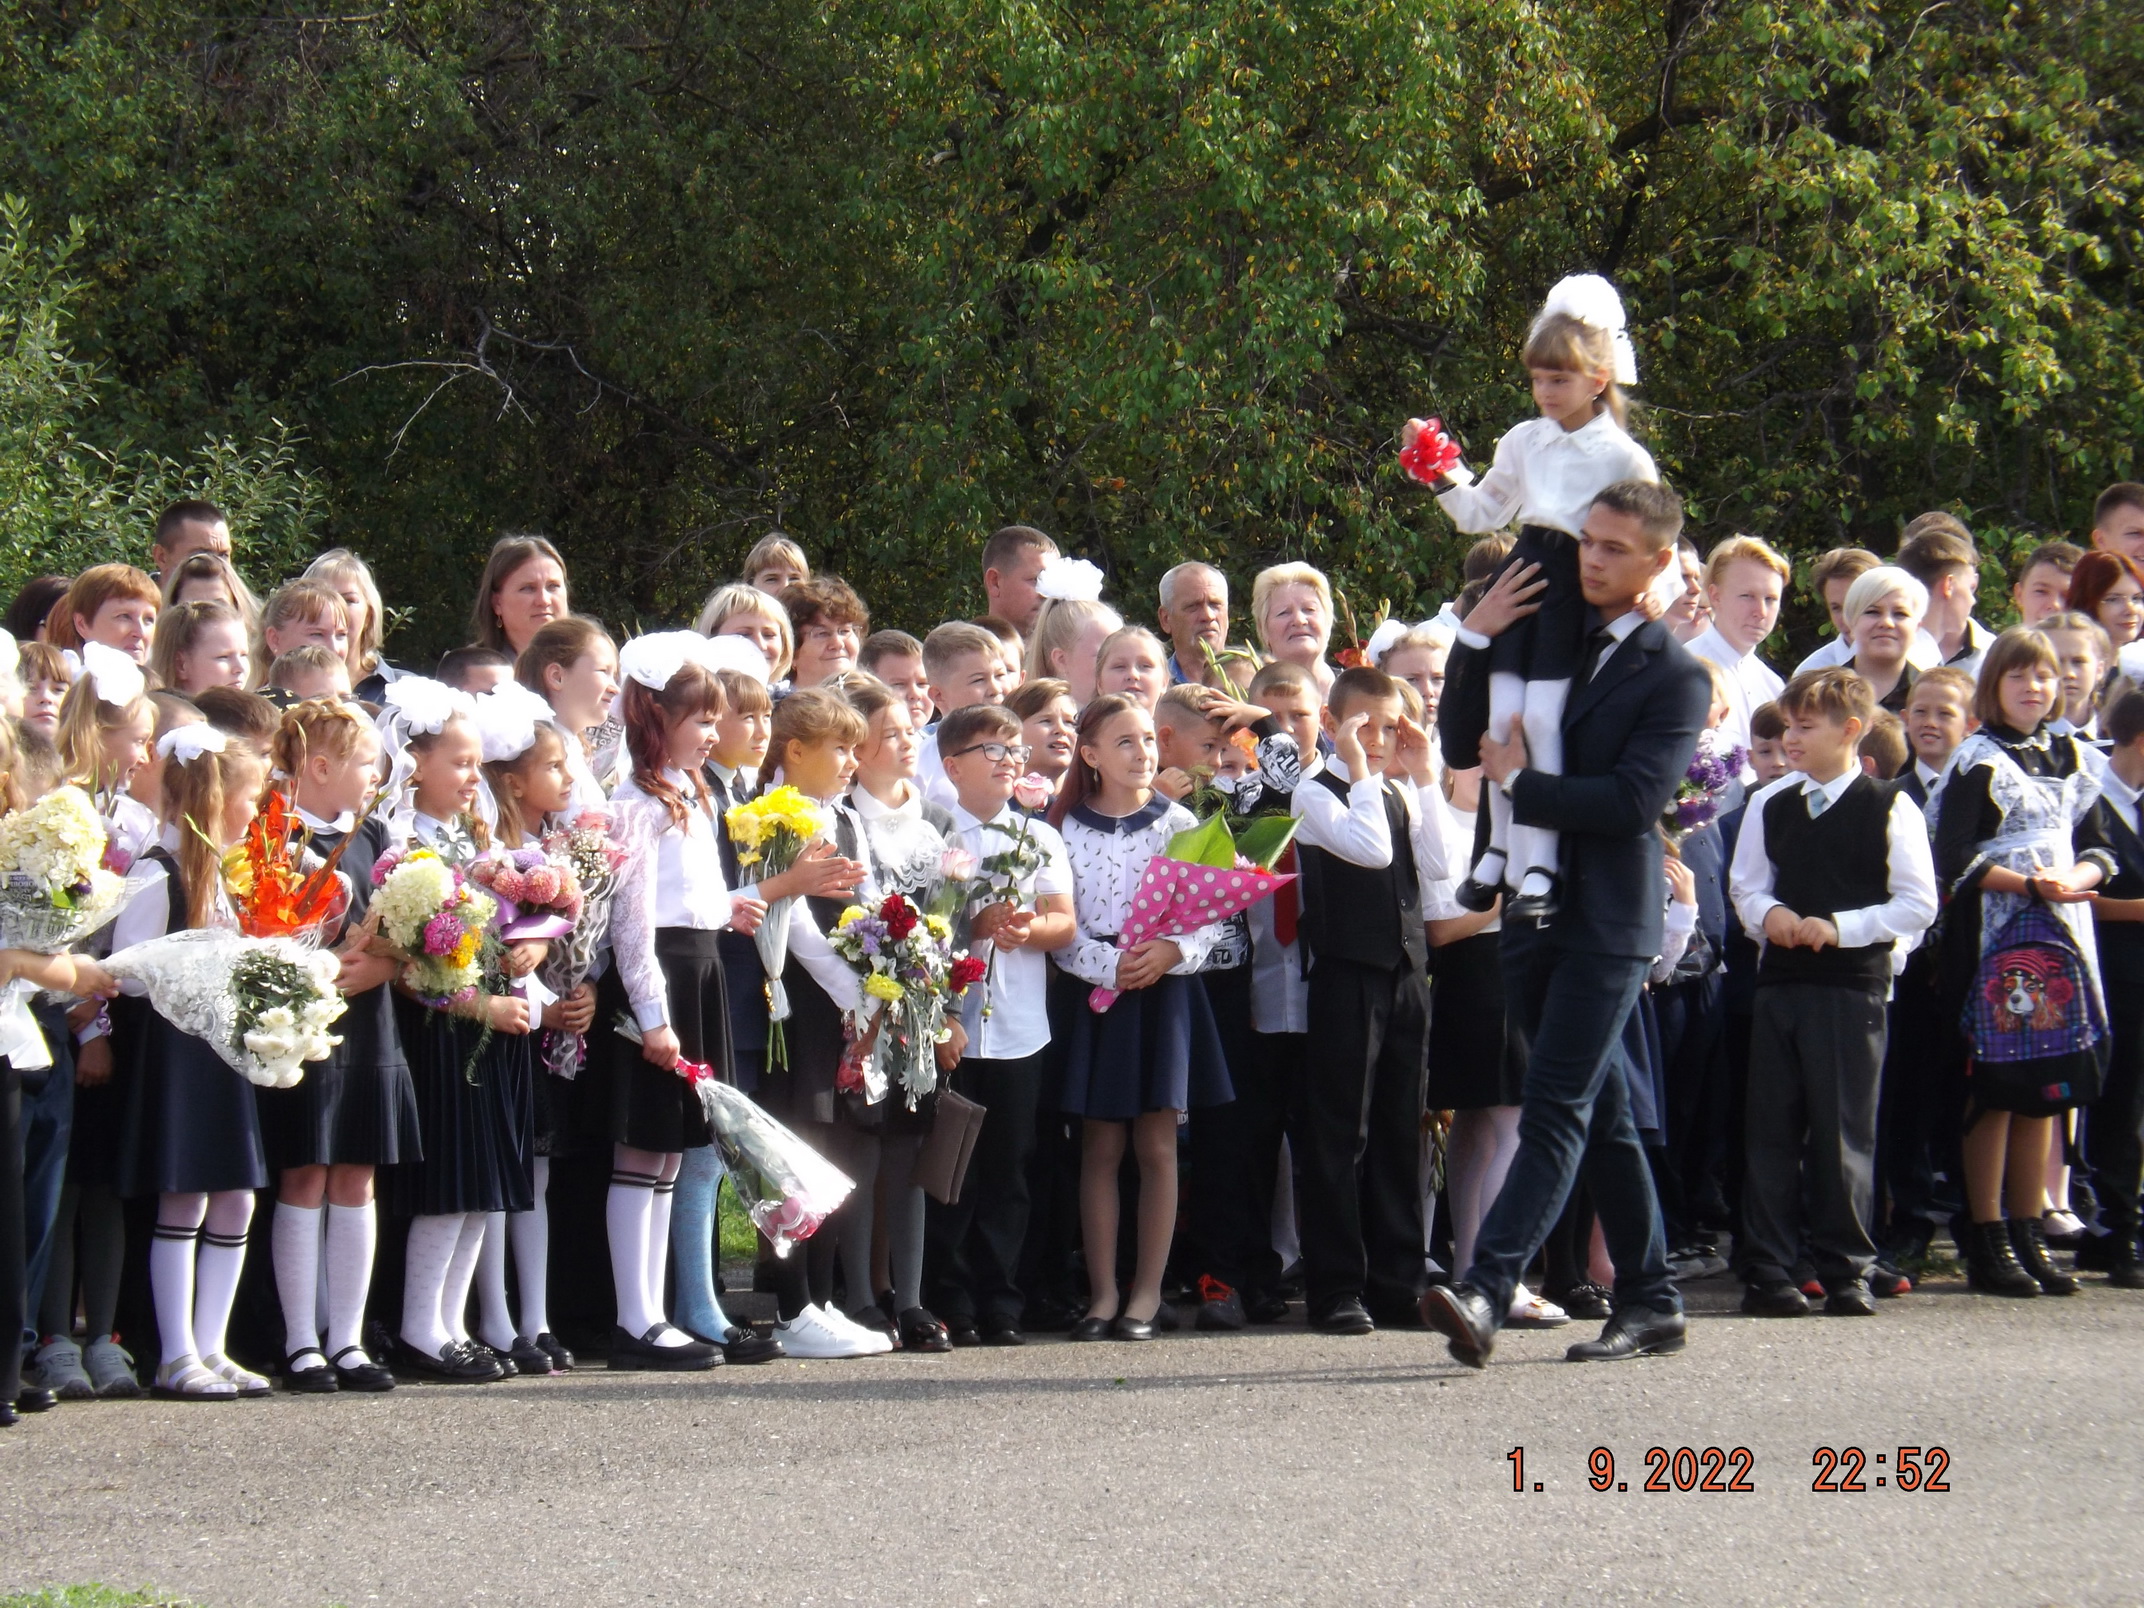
x=350 y=578
x=741 y=610
x=1884 y=609
x=1292 y=610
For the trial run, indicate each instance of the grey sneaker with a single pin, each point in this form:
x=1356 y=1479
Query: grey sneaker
x=57 y=1365
x=110 y=1369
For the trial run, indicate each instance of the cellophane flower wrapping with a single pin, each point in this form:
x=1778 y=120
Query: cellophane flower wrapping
x=1714 y=768
x=264 y=1004
x=786 y=1187
x=911 y=973
x=1202 y=877
x=539 y=896
x=584 y=845
x=279 y=888
x=770 y=831
x=54 y=892
x=435 y=923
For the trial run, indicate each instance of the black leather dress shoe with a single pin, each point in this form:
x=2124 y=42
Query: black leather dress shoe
x=745 y=1347
x=1851 y=1300
x=963 y=1332
x=998 y=1332
x=921 y=1331
x=1775 y=1298
x=1270 y=1307
x=1463 y=1315
x=362 y=1375
x=508 y=1368
x=1532 y=906
x=530 y=1358
x=9 y=1418
x=1348 y=1317
x=318 y=1380
x=464 y=1365
x=35 y=1399
x=561 y=1358
x=1633 y=1332
x=628 y=1353
x=1479 y=897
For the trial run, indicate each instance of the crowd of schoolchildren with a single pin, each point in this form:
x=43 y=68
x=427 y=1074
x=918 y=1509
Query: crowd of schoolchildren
x=1933 y=840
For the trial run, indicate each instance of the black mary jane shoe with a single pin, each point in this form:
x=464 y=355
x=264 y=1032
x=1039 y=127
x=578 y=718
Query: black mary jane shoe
x=1479 y=897
x=561 y=1358
x=745 y=1346
x=920 y=1331
x=1534 y=907
x=364 y=1374
x=456 y=1362
x=628 y=1353
x=35 y=1399
x=530 y=1358
x=318 y=1380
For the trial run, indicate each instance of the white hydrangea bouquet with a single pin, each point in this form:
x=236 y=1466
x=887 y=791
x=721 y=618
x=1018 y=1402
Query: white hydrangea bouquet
x=264 y=1004
x=54 y=889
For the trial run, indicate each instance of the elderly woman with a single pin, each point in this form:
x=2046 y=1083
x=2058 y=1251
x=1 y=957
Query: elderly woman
x=1293 y=607
x=830 y=623
x=743 y=610
x=1883 y=609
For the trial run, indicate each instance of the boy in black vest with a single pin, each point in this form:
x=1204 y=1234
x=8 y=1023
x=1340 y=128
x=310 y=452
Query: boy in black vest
x=1365 y=846
x=2114 y=1132
x=1834 y=870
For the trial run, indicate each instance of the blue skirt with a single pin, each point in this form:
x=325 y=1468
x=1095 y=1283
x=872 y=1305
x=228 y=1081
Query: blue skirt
x=1155 y=1049
x=478 y=1126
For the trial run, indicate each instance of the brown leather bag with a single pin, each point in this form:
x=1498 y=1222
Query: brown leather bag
x=942 y=1162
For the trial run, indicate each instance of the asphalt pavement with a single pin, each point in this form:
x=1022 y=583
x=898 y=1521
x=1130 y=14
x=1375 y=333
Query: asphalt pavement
x=1275 y=1466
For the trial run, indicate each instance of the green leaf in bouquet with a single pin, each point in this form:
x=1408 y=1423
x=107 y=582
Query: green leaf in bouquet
x=1262 y=841
x=1208 y=843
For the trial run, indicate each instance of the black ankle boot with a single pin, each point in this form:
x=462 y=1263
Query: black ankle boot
x=1991 y=1264
x=2125 y=1268
x=2030 y=1242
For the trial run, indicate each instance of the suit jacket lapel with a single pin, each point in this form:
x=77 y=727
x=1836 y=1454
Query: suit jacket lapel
x=1630 y=657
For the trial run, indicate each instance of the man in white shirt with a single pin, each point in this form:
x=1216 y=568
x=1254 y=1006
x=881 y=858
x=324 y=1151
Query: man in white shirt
x=1744 y=581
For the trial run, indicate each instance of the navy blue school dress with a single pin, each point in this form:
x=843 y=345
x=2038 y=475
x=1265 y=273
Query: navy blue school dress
x=189 y=1124
x=359 y=1106
x=477 y=1118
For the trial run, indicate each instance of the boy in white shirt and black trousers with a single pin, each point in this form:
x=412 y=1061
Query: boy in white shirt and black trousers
x=1366 y=846
x=1834 y=869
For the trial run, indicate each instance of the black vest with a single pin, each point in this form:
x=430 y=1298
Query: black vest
x=2121 y=943
x=1840 y=860
x=1372 y=917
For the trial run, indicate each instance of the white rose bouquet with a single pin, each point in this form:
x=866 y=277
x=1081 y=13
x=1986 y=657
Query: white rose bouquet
x=265 y=1004
x=54 y=889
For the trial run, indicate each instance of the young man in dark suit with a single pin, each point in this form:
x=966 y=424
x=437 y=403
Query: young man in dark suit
x=1635 y=711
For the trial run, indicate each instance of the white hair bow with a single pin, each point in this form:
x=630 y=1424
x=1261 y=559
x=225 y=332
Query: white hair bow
x=117 y=678
x=655 y=659
x=506 y=719
x=188 y=743
x=415 y=706
x=1592 y=301
x=1071 y=580
x=735 y=653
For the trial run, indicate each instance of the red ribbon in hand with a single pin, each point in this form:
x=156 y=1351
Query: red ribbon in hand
x=1432 y=455
x=693 y=1071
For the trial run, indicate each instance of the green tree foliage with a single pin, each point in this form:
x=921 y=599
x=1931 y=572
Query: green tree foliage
x=1159 y=275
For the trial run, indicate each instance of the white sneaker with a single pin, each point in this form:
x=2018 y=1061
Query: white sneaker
x=57 y=1365
x=877 y=1341
x=810 y=1336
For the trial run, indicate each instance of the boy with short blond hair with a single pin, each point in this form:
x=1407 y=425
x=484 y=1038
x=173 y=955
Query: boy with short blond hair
x=962 y=667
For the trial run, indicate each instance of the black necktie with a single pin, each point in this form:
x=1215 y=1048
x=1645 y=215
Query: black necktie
x=1599 y=646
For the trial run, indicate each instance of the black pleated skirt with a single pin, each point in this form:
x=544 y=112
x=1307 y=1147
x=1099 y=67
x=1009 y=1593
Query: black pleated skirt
x=478 y=1127
x=1155 y=1049
x=1548 y=645
x=654 y=1109
x=358 y=1107
x=188 y=1124
x=1473 y=1062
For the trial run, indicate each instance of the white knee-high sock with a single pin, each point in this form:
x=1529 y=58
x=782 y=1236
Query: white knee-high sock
x=495 y=1320
x=294 y=1244
x=424 y=1279
x=461 y=1272
x=353 y=1232
x=531 y=1231
x=658 y=1262
x=627 y=1215
x=223 y=1257
x=171 y=1272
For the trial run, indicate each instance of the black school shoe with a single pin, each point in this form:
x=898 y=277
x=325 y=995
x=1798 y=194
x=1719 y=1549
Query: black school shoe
x=642 y=1354
x=318 y=1380
x=746 y=1346
x=1267 y=1307
x=1775 y=1298
x=364 y=1375
x=561 y=1358
x=1344 y=1317
x=530 y=1358
x=457 y=1362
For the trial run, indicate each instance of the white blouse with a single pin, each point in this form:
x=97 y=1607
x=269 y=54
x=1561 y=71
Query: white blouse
x=1546 y=475
x=672 y=877
x=1109 y=857
x=907 y=851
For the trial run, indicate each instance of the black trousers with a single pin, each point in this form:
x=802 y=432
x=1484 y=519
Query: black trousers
x=1919 y=1113
x=1360 y=1101
x=971 y=1249
x=1692 y=1017
x=1235 y=1148
x=2114 y=1129
x=1816 y=1061
x=14 y=1283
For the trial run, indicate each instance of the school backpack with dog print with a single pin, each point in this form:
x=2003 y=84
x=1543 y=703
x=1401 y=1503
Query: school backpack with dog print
x=2034 y=1017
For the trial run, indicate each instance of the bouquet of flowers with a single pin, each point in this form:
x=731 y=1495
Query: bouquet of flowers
x=264 y=1004
x=910 y=971
x=585 y=847
x=54 y=887
x=273 y=888
x=787 y=1188
x=1206 y=874
x=435 y=923
x=770 y=831
x=1714 y=768
x=538 y=897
